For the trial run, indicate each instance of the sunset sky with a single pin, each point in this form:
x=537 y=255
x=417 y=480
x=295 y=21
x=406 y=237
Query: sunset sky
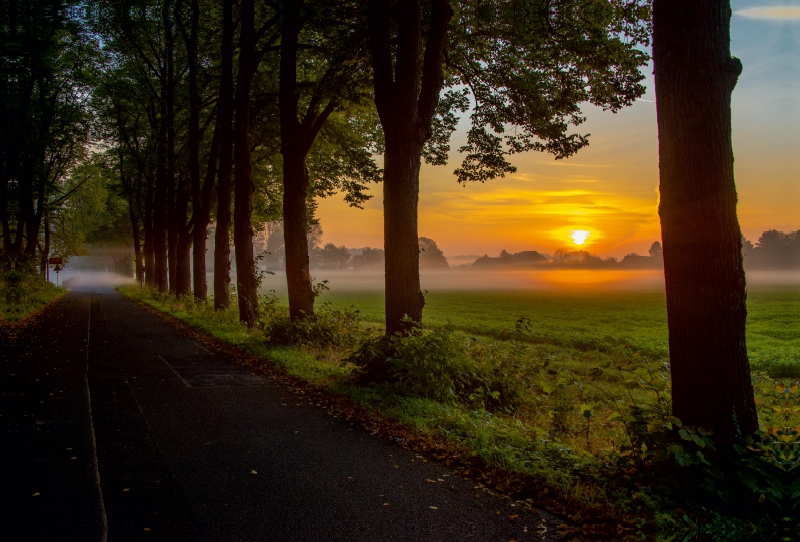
x=607 y=194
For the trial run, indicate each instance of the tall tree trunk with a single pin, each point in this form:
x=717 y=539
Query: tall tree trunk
x=296 y=140
x=201 y=216
x=222 y=246
x=201 y=196
x=406 y=96
x=246 y=280
x=695 y=76
x=137 y=242
x=295 y=225
x=191 y=188
x=149 y=239
x=401 y=238
x=46 y=250
x=183 y=269
x=173 y=220
x=161 y=278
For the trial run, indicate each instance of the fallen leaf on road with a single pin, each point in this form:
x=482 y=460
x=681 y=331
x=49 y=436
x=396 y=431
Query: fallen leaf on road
x=430 y=481
x=512 y=518
x=126 y=489
x=36 y=494
x=253 y=472
x=433 y=507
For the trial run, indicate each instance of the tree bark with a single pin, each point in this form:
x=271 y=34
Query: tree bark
x=222 y=247
x=246 y=280
x=406 y=96
x=705 y=282
x=295 y=226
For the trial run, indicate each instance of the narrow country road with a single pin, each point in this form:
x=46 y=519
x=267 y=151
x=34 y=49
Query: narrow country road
x=117 y=426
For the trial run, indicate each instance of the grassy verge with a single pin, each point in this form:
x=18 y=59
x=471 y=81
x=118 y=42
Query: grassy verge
x=30 y=294
x=582 y=418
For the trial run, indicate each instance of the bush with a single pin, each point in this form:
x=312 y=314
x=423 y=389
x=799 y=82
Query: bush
x=443 y=365
x=327 y=328
x=23 y=290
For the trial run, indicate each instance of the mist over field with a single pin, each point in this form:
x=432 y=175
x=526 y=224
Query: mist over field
x=520 y=280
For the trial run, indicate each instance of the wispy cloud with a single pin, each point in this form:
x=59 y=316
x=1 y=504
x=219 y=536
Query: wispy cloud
x=782 y=13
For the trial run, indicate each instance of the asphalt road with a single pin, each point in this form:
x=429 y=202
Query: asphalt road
x=135 y=432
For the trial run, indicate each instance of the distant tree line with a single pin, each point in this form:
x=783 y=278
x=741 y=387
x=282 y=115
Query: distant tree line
x=328 y=256
x=773 y=250
x=563 y=258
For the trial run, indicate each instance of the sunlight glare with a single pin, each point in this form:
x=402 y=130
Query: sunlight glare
x=579 y=236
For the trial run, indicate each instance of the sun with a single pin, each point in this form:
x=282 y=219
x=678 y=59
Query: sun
x=579 y=236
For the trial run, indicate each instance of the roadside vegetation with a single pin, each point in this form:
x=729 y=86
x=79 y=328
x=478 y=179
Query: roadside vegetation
x=23 y=293
x=587 y=413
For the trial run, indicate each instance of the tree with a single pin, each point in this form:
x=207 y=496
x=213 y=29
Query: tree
x=369 y=259
x=431 y=256
x=46 y=70
x=222 y=243
x=330 y=257
x=332 y=76
x=527 y=67
x=705 y=283
x=656 y=250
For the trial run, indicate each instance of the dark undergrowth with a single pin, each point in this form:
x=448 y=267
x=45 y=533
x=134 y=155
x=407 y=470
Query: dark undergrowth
x=23 y=292
x=593 y=425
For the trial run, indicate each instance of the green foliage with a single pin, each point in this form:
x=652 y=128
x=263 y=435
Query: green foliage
x=22 y=290
x=327 y=328
x=530 y=66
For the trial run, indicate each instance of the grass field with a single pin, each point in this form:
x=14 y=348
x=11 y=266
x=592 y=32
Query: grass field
x=584 y=318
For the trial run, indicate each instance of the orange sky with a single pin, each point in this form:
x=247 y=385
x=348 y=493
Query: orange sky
x=610 y=188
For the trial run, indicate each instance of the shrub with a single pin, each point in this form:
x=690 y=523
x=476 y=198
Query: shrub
x=327 y=328
x=445 y=365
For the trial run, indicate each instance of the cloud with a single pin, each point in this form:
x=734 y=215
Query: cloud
x=781 y=13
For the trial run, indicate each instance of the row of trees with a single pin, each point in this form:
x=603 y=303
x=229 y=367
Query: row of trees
x=241 y=113
x=47 y=72
x=573 y=259
x=259 y=108
x=341 y=258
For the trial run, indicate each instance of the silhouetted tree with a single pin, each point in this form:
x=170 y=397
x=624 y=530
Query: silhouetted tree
x=525 y=65
x=370 y=258
x=431 y=256
x=705 y=283
x=330 y=257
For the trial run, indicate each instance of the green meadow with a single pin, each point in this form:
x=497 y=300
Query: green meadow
x=588 y=319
